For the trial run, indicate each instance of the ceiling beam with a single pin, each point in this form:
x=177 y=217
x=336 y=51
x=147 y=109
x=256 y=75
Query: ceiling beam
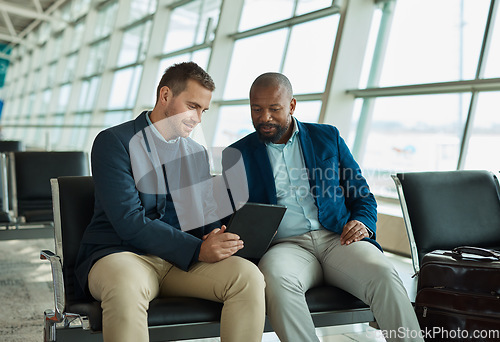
x=8 y=23
x=38 y=6
x=49 y=13
x=27 y=13
x=15 y=40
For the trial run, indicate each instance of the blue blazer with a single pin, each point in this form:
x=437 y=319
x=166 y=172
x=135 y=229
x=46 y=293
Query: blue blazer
x=126 y=219
x=340 y=191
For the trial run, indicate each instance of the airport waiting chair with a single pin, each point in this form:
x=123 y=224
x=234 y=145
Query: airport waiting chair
x=6 y=146
x=11 y=145
x=30 y=178
x=448 y=209
x=169 y=318
x=30 y=196
x=5 y=215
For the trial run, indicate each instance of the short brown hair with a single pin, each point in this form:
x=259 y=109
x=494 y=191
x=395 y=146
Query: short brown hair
x=176 y=76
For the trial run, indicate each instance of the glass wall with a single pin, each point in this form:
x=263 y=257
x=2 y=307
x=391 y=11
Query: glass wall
x=275 y=36
x=485 y=134
x=445 y=47
x=192 y=24
x=419 y=93
x=425 y=111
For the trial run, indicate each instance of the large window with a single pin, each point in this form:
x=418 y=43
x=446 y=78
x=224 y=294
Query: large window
x=64 y=93
x=78 y=131
x=427 y=109
x=88 y=94
x=413 y=85
x=492 y=68
x=70 y=69
x=413 y=133
x=97 y=57
x=44 y=102
x=105 y=20
x=77 y=37
x=485 y=134
x=258 y=13
x=445 y=47
x=141 y=8
x=56 y=48
x=276 y=36
x=135 y=44
x=308 y=60
x=192 y=24
x=113 y=118
x=250 y=55
x=124 y=88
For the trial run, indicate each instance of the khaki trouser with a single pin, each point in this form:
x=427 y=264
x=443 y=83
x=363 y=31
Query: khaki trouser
x=125 y=283
x=293 y=265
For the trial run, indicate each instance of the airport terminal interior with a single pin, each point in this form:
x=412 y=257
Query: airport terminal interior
x=412 y=86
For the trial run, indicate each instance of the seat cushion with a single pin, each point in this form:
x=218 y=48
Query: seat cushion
x=448 y=209
x=162 y=311
x=331 y=298
x=36 y=210
x=41 y=215
x=168 y=311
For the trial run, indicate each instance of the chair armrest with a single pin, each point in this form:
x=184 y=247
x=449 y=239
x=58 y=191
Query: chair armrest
x=58 y=282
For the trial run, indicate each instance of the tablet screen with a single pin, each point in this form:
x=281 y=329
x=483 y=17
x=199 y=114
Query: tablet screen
x=256 y=224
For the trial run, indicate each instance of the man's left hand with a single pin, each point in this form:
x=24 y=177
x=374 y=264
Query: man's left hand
x=353 y=231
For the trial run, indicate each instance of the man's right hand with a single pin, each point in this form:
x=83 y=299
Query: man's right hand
x=219 y=245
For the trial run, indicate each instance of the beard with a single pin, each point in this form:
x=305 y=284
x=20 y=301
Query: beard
x=280 y=130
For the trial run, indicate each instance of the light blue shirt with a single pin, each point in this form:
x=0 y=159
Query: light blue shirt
x=292 y=187
x=157 y=133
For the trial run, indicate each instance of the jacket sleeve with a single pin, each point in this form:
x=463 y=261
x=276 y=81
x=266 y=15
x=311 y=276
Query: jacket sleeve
x=358 y=198
x=117 y=194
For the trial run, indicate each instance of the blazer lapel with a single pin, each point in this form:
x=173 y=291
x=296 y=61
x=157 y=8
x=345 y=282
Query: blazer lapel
x=141 y=122
x=143 y=130
x=309 y=155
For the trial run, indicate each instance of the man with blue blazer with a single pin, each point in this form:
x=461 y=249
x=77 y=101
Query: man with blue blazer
x=144 y=241
x=329 y=229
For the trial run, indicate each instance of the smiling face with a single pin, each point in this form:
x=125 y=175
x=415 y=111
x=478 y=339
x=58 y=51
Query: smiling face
x=177 y=115
x=272 y=108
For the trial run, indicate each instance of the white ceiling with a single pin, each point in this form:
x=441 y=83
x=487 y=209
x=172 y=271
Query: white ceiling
x=19 y=17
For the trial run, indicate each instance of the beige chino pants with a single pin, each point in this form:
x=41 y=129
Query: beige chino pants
x=125 y=283
x=293 y=265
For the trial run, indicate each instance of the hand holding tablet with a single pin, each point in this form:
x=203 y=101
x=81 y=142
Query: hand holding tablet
x=256 y=224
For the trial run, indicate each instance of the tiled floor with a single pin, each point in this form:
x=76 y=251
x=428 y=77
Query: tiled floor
x=354 y=332
x=343 y=333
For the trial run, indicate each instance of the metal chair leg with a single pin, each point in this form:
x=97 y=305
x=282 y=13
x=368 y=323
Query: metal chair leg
x=49 y=328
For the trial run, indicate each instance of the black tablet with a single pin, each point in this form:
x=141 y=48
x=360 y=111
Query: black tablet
x=256 y=224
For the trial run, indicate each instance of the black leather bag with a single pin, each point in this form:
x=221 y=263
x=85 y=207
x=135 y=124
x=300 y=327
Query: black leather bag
x=458 y=295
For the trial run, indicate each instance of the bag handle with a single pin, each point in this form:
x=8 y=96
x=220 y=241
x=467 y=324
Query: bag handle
x=476 y=251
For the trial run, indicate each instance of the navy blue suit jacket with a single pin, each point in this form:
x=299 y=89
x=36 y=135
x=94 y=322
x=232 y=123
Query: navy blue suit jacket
x=126 y=219
x=340 y=191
